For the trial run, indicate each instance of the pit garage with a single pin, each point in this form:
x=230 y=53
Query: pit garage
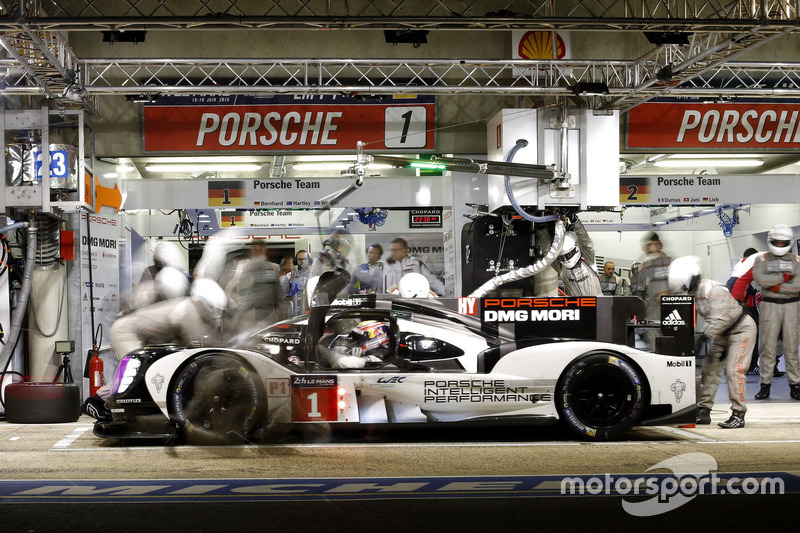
x=474 y=137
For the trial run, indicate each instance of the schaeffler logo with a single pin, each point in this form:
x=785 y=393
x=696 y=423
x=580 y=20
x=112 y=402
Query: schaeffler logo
x=674 y=319
x=692 y=474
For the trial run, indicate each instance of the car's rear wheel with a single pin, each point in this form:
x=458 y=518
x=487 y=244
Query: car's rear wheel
x=600 y=396
x=218 y=399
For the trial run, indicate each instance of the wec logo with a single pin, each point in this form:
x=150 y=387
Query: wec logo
x=393 y=379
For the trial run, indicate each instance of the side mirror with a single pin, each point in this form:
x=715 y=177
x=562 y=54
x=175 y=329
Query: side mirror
x=415 y=347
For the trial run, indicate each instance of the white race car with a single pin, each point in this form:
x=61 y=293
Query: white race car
x=442 y=361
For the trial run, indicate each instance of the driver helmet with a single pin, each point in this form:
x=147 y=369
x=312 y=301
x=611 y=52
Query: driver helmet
x=369 y=335
x=779 y=239
x=171 y=283
x=570 y=253
x=684 y=274
x=636 y=266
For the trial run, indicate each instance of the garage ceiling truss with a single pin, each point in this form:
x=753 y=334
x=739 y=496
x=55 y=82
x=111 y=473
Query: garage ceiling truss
x=40 y=60
x=598 y=15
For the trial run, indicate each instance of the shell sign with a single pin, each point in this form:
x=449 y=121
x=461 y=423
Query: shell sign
x=541 y=45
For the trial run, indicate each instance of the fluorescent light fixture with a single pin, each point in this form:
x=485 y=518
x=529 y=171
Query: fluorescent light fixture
x=683 y=163
x=429 y=165
x=125 y=168
x=333 y=165
x=204 y=159
x=200 y=167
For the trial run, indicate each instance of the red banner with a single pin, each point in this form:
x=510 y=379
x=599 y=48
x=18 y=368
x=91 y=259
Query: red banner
x=755 y=127
x=327 y=125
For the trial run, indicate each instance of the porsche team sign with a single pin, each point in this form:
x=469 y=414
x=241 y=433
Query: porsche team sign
x=288 y=123
x=730 y=126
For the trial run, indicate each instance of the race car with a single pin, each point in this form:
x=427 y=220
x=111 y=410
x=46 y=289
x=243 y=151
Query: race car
x=439 y=361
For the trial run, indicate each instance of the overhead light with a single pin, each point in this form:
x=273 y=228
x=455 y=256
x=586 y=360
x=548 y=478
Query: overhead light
x=415 y=37
x=429 y=165
x=334 y=165
x=201 y=167
x=123 y=36
x=682 y=163
x=666 y=37
x=142 y=98
x=125 y=168
x=585 y=88
x=211 y=159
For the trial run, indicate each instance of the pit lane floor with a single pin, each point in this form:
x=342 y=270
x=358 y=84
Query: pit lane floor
x=450 y=480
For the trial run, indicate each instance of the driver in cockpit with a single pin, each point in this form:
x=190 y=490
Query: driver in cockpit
x=368 y=342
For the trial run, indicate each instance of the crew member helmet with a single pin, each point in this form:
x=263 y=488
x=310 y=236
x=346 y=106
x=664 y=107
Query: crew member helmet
x=166 y=253
x=779 y=239
x=570 y=253
x=684 y=274
x=210 y=294
x=413 y=285
x=171 y=283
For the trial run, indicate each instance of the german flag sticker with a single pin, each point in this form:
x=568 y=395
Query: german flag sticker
x=231 y=219
x=225 y=193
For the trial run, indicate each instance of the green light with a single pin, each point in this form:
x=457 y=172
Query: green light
x=429 y=165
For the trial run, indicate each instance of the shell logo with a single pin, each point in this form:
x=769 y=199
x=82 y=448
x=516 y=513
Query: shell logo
x=539 y=45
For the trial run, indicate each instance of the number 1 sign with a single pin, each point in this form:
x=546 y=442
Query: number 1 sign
x=314 y=398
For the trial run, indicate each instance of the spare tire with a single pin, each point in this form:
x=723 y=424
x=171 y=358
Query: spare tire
x=42 y=403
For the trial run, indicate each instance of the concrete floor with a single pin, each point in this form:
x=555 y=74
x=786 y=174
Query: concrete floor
x=71 y=459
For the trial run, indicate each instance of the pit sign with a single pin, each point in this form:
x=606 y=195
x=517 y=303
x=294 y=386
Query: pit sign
x=288 y=123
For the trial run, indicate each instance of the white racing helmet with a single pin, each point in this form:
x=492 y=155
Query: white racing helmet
x=570 y=253
x=171 y=283
x=213 y=299
x=413 y=285
x=167 y=253
x=779 y=239
x=684 y=274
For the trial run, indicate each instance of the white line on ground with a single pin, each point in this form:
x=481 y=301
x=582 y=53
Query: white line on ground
x=694 y=437
x=72 y=437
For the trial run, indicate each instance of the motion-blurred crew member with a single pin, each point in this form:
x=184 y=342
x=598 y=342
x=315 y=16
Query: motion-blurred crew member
x=733 y=335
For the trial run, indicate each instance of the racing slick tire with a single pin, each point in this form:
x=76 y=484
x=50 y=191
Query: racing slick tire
x=42 y=403
x=218 y=399
x=600 y=396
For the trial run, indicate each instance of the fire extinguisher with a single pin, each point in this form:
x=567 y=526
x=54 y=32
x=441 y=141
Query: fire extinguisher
x=95 y=373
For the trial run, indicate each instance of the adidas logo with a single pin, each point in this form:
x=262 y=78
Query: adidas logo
x=673 y=319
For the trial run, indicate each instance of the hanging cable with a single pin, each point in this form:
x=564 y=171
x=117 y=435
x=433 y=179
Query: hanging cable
x=522 y=143
x=22 y=304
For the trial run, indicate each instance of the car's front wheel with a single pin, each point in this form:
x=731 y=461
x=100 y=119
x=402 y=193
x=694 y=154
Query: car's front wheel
x=218 y=399
x=600 y=396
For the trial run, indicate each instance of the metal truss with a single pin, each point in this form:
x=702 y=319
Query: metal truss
x=41 y=61
x=389 y=77
x=616 y=15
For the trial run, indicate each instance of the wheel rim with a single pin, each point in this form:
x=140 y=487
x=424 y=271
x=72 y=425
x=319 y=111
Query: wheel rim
x=603 y=398
x=218 y=397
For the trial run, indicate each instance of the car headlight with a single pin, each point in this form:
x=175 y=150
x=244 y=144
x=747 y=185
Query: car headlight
x=126 y=371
